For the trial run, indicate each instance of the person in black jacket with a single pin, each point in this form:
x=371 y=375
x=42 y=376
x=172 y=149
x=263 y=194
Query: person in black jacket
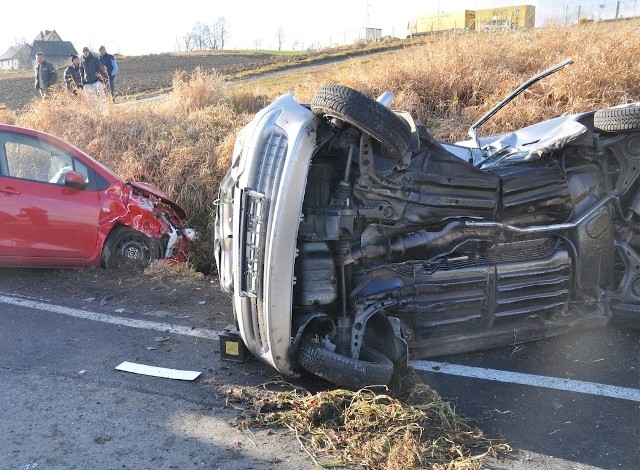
x=72 y=75
x=46 y=74
x=92 y=74
x=109 y=62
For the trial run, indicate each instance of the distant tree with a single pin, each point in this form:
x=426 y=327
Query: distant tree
x=314 y=47
x=280 y=36
x=18 y=41
x=295 y=44
x=258 y=43
x=185 y=43
x=219 y=33
x=202 y=37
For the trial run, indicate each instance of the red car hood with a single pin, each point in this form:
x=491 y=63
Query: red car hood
x=150 y=189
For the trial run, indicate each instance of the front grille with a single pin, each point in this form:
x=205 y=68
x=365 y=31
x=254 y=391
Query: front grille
x=253 y=229
x=268 y=160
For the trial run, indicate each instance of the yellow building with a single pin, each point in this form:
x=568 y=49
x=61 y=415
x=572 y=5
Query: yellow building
x=512 y=17
x=443 y=21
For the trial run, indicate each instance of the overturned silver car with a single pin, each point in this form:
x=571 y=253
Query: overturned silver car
x=351 y=240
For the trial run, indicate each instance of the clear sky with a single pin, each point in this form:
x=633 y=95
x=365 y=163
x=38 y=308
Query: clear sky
x=136 y=27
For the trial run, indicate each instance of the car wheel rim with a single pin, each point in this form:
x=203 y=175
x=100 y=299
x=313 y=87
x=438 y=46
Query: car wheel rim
x=133 y=250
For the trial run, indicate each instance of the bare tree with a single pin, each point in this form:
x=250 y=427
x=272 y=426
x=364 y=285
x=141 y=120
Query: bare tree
x=202 y=37
x=18 y=41
x=258 y=43
x=280 y=35
x=186 y=42
x=219 y=33
x=314 y=47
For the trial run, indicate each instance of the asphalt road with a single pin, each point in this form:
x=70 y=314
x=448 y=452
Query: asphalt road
x=570 y=402
x=64 y=406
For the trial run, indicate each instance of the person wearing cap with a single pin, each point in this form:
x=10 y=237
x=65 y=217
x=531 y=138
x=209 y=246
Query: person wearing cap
x=46 y=74
x=109 y=62
x=72 y=75
x=92 y=74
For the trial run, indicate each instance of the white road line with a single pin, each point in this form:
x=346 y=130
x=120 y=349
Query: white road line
x=529 y=379
x=89 y=315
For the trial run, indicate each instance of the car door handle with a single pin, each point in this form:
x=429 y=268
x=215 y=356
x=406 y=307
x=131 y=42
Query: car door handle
x=9 y=191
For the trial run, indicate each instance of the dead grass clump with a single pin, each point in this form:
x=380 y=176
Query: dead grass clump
x=246 y=102
x=161 y=270
x=196 y=90
x=370 y=428
x=7 y=116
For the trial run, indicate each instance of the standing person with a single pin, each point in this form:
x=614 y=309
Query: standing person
x=72 y=75
x=46 y=74
x=109 y=62
x=92 y=74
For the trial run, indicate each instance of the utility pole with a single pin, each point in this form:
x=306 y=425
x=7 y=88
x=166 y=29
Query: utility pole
x=368 y=5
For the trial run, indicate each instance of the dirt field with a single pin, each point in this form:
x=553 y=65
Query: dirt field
x=140 y=74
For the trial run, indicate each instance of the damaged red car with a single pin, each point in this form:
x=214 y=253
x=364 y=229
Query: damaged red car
x=61 y=208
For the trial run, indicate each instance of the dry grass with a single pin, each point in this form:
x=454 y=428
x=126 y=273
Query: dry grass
x=184 y=144
x=7 y=115
x=161 y=270
x=369 y=428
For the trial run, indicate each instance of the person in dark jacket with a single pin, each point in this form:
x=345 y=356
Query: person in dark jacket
x=46 y=74
x=109 y=62
x=72 y=75
x=92 y=74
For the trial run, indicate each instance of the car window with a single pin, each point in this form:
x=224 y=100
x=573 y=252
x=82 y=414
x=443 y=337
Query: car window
x=28 y=160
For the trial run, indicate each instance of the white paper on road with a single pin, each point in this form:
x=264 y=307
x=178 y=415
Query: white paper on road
x=158 y=371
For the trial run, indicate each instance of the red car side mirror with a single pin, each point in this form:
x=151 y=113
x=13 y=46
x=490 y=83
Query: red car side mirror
x=75 y=180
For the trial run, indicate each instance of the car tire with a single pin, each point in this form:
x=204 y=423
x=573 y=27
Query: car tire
x=617 y=119
x=366 y=114
x=625 y=315
x=129 y=248
x=373 y=367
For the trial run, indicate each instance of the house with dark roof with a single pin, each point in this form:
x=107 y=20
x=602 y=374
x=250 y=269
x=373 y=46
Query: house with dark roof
x=16 y=58
x=23 y=57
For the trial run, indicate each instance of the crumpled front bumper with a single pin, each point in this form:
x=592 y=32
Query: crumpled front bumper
x=258 y=214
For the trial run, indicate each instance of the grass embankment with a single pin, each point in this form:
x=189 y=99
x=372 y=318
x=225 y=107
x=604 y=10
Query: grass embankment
x=184 y=145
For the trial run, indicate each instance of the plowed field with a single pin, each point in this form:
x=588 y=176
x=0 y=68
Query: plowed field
x=141 y=74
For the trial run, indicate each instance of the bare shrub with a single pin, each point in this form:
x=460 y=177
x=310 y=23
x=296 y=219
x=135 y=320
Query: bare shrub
x=196 y=90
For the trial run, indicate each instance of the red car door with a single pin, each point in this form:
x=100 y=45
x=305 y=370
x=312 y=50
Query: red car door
x=42 y=221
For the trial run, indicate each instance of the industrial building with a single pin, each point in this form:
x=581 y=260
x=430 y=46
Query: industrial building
x=491 y=19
